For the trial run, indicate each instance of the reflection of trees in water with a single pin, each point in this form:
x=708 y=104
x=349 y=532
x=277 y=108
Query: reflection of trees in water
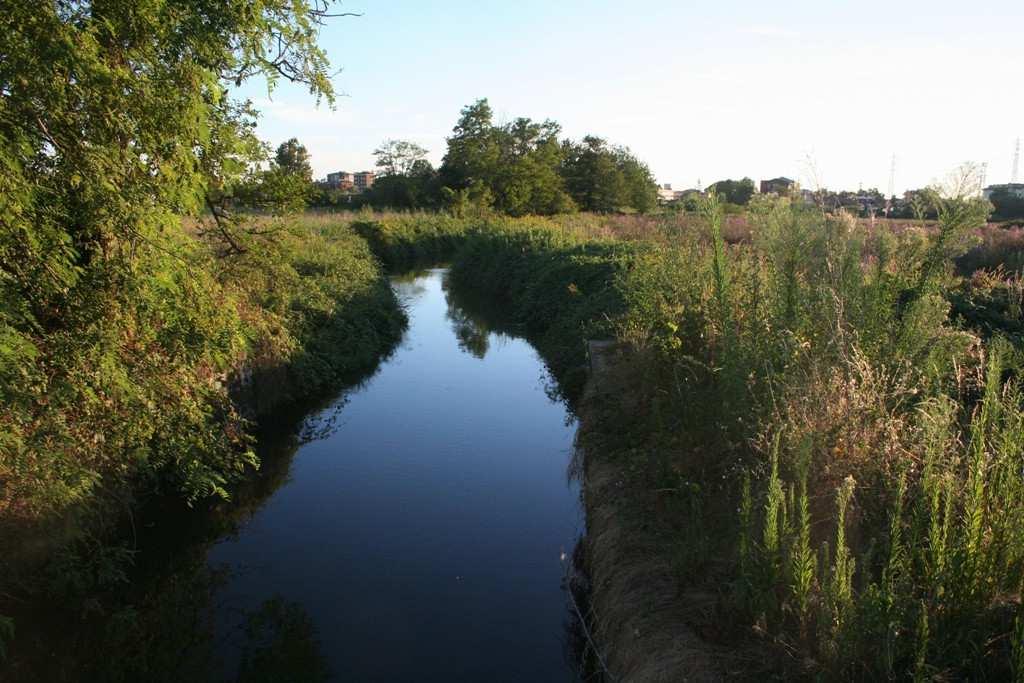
x=281 y=645
x=168 y=635
x=160 y=626
x=473 y=319
x=409 y=286
x=472 y=333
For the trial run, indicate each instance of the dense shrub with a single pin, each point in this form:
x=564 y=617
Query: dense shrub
x=131 y=395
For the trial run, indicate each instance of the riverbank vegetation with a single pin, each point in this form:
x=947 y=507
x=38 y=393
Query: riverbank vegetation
x=823 y=420
x=829 y=414
x=142 y=322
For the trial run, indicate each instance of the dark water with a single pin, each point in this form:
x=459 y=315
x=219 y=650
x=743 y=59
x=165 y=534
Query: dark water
x=420 y=538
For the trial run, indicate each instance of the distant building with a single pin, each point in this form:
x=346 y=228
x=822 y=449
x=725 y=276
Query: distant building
x=666 y=194
x=350 y=182
x=364 y=180
x=1015 y=189
x=340 y=180
x=779 y=186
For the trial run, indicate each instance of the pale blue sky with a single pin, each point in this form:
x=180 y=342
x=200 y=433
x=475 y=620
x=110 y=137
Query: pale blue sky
x=698 y=90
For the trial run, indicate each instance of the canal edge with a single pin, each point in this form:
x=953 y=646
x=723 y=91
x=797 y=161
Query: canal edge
x=638 y=619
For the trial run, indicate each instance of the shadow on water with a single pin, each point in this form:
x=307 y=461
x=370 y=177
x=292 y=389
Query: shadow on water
x=166 y=620
x=147 y=614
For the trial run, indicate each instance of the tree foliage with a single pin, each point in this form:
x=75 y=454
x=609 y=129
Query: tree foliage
x=1007 y=204
x=734 y=191
x=523 y=168
x=399 y=157
x=115 y=120
x=292 y=158
x=603 y=178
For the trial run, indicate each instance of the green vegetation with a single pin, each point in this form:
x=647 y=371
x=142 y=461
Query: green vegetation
x=737 y=192
x=1007 y=205
x=518 y=169
x=133 y=341
x=824 y=414
x=831 y=416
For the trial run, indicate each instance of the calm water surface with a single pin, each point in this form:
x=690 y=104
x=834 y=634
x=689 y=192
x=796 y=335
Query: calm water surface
x=421 y=535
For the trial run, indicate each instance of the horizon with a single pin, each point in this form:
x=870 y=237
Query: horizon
x=678 y=90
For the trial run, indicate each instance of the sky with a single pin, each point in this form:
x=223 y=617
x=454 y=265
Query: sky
x=825 y=92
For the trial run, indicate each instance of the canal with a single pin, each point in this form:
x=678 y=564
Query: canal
x=419 y=531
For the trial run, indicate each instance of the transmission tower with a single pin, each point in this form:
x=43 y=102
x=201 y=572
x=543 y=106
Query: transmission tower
x=892 y=177
x=1016 y=162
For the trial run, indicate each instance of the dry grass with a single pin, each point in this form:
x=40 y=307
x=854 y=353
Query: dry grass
x=646 y=629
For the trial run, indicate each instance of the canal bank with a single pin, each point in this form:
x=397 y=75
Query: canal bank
x=641 y=622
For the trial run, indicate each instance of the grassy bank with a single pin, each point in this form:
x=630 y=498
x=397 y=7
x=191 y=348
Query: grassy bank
x=822 y=442
x=148 y=386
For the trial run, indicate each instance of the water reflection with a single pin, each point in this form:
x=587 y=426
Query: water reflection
x=281 y=644
x=473 y=334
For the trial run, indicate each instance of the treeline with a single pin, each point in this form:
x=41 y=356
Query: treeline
x=518 y=168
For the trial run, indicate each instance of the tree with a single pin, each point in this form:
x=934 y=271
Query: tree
x=416 y=189
x=734 y=191
x=292 y=158
x=514 y=167
x=473 y=148
x=641 y=190
x=399 y=157
x=527 y=179
x=115 y=120
x=522 y=168
x=604 y=179
x=1007 y=204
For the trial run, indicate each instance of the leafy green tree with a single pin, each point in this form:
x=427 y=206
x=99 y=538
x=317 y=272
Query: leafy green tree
x=418 y=188
x=399 y=157
x=115 y=119
x=518 y=163
x=734 y=191
x=527 y=180
x=1007 y=205
x=641 y=190
x=292 y=158
x=522 y=168
x=592 y=175
x=474 y=149
x=407 y=180
x=603 y=178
